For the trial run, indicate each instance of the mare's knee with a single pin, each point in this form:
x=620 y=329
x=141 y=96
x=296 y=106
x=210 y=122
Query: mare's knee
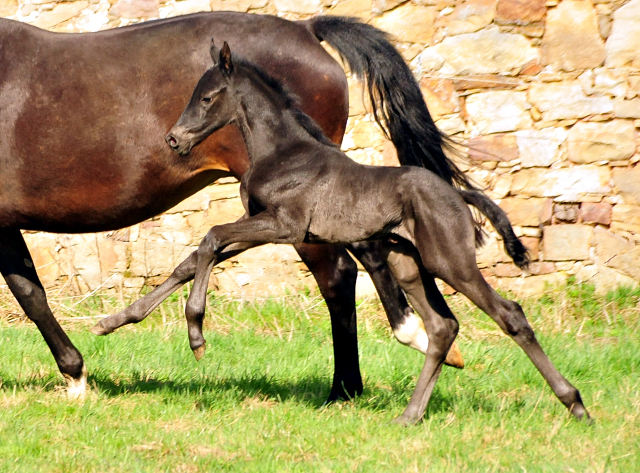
x=342 y=277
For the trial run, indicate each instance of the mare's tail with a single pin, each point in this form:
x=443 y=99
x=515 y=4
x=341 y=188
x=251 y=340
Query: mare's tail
x=513 y=246
x=398 y=105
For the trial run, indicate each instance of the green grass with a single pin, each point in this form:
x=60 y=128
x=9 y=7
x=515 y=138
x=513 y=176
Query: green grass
x=254 y=402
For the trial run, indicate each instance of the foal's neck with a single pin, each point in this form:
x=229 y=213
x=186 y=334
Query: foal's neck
x=268 y=124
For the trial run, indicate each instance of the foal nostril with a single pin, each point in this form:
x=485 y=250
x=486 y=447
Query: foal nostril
x=171 y=141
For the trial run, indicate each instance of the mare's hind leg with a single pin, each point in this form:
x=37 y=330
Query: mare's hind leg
x=452 y=259
x=19 y=272
x=401 y=270
x=336 y=273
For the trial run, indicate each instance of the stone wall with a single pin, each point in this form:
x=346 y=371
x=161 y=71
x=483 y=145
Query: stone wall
x=544 y=96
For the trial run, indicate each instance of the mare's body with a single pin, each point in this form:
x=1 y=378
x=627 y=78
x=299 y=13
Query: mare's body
x=82 y=121
x=301 y=188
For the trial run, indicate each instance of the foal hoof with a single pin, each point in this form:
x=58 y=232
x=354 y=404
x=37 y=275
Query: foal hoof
x=99 y=329
x=77 y=388
x=454 y=357
x=404 y=421
x=198 y=352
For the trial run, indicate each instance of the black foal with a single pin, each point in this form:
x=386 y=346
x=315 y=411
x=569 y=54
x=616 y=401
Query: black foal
x=301 y=188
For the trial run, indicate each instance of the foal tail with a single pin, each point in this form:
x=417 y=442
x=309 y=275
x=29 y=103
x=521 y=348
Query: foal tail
x=398 y=105
x=513 y=246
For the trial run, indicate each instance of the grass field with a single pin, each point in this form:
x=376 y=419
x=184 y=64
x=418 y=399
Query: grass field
x=254 y=402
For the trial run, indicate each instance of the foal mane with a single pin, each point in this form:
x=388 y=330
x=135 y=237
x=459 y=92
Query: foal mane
x=289 y=99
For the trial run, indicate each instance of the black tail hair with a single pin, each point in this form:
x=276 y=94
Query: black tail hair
x=498 y=218
x=398 y=104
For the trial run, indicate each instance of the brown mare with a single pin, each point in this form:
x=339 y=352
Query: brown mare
x=82 y=122
x=301 y=188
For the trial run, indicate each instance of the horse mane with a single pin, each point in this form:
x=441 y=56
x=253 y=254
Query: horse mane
x=290 y=99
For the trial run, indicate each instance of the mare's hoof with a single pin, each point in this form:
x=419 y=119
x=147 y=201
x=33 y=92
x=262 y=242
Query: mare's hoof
x=77 y=388
x=99 y=329
x=198 y=352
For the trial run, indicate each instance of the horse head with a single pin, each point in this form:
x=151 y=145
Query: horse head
x=211 y=107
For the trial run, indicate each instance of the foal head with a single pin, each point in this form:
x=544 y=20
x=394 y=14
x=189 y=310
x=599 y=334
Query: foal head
x=212 y=105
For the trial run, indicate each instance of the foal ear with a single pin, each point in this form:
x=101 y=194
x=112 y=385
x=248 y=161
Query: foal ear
x=214 y=53
x=226 y=64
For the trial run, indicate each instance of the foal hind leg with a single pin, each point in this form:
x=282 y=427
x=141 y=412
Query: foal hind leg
x=19 y=272
x=391 y=268
x=460 y=271
x=442 y=327
x=143 y=307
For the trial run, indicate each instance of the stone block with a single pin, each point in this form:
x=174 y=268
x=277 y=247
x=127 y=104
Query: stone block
x=496 y=147
x=498 y=111
x=485 y=52
x=156 y=258
x=409 y=23
x=566 y=212
x=300 y=7
x=353 y=8
x=628 y=262
x=627 y=181
x=589 y=142
x=135 y=9
x=520 y=12
x=440 y=96
x=532 y=285
x=563 y=183
x=524 y=212
x=540 y=147
x=626 y=218
x=623 y=42
x=566 y=100
x=604 y=279
x=608 y=245
x=59 y=13
x=572 y=40
x=186 y=7
x=45 y=256
x=533 y=246
x=8 y=8
x=595 y=212
x=542 y=267
x=627 y=108
x=467 y=17
x=506 y=270
x=567 y=242
x=237 y=5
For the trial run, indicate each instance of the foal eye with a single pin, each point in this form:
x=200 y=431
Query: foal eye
x=206 y=99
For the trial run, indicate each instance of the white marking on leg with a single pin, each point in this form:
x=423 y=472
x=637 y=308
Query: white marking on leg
x=412 y=333
x=77 y=388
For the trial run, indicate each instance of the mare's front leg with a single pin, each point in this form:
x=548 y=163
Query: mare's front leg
x=272 y=226
x=17 y=268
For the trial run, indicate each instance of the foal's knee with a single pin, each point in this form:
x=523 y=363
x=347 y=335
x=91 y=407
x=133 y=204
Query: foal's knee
x=514 y=321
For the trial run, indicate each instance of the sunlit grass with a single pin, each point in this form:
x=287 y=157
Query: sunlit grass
x=254 y=402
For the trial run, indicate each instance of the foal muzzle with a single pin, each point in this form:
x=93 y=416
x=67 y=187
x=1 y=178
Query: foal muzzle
x=180 y=145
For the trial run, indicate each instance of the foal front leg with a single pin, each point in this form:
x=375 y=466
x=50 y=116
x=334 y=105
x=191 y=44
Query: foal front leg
x=266 y=227
x=143 y=307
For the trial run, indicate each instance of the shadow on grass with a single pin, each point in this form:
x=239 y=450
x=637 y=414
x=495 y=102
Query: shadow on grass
x=310 y=391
